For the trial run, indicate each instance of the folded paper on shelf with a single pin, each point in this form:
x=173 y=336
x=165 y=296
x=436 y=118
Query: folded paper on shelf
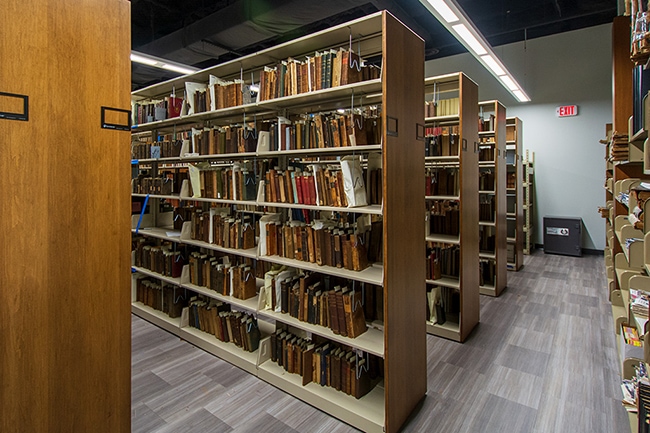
x=353 y=184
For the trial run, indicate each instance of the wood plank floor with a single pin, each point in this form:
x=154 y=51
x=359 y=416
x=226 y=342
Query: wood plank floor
x=543 y=359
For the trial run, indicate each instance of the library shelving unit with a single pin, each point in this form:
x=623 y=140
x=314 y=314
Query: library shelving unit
x=528 y=207
x=515 y=192
x=492 y=198
x=623 y=167
x=400 y=341
x=452 y=149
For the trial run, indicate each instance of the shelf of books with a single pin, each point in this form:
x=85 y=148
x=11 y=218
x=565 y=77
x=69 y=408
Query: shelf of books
x=515 y=178
x=528 y=206
x=452 y=212
x=269 y=224
x=492 y=198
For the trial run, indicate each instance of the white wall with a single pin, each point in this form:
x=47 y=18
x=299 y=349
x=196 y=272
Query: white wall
x=565 y=69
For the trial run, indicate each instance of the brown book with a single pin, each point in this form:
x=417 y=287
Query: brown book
x=289 y=251
x=281 y=186
x=236 y=281
x=354 y=68
x=336 y=369
x=336 y=133
x=340 y=311
x=330 y=179
x=316 y=365
x=273 y=184
x=270 y=239
x=324 y=310
x=226 y=281
x=343 y=132
x=229 y=327
x=310 y=244
x=297 y=356
x=326 y=245
x=234 y=233
x=343 y=201
x=346 y=252
x=267 y=187
x=308 y=364
x=305 y=244
x=354 y=314
x=362 y=382
x=338 y=253
x=318 y=64
x=248 y=284
x=280 y=241
x=297 y=243
x=301 y=299
x=320 y=132
x=359 y=253
x=336 y=67
x=248 y=237
x=332 y=312
x=323 y=189
x=289 y=366
x=345 y=373
x=226 y=233
x=318 y=246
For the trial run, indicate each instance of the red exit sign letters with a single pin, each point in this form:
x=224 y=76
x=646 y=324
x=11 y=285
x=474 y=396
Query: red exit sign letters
x=567 y=111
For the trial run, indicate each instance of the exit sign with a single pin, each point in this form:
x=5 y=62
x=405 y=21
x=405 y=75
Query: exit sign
x=567 y=111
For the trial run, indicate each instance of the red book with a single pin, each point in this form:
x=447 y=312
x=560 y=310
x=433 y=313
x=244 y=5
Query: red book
x=174 y=107
x=312 y=190
x=301 y=200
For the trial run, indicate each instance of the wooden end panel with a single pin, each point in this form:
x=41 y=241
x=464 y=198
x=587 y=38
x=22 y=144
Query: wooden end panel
x=24 y=309
x=65 y=283
x=469 y=290
x=404 y=267
x=89 y=208
x=622 y=67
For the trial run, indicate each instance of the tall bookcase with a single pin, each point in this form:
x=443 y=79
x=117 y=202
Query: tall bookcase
x=66 y=351
x=492 y=198
x=451 y=104
x=515 y=192
x=627 y=258
x=529 y=201
x=399 y=341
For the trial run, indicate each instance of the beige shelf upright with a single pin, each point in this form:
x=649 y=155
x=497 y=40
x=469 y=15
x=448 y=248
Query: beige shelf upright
x=463 y=287
x=515 y=193
x=529 y=207
x=493 y=231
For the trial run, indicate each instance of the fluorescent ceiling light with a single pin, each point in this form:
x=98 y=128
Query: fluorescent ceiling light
x=180 y=69
x=444 y=10
x=157 y=62
x=448 y=12
x=144 y=60
x=509 y=82
x=521 y=96
x=492 y=64
x=470 y=39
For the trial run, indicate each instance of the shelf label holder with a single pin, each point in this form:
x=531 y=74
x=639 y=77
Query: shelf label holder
x=24 y=116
